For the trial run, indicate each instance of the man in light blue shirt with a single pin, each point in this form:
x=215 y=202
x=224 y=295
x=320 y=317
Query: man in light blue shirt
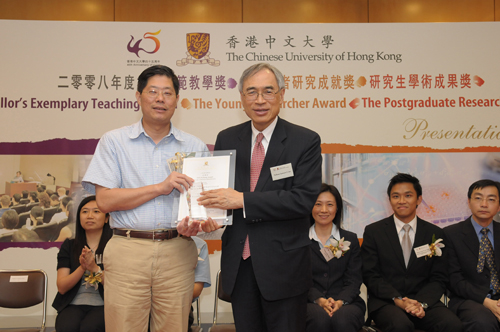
x=149 y=266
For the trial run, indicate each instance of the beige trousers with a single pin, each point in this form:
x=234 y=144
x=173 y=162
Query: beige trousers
x=144 y=276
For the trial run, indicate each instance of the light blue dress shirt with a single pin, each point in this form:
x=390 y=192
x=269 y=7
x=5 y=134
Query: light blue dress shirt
x=128 y=158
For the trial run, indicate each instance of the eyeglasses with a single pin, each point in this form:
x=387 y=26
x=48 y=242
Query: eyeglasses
x=153 y=93
x=268 y=94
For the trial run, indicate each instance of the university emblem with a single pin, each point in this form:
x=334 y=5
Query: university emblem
x=198 y=46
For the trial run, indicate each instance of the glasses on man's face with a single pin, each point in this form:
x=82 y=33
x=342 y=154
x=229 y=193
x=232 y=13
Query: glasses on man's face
x=154 y=93
x=267 y=94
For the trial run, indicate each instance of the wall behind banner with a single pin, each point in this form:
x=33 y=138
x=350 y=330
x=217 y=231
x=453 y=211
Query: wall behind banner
x=221 y=11
x=253 y=11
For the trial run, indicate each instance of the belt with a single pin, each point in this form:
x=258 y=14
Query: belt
x=152 y=235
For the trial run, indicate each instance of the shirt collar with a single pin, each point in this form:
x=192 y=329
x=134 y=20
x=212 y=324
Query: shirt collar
x=478 y=228
x=268 y=132
x=335 y=234
x=400 y=224
x=137 y=129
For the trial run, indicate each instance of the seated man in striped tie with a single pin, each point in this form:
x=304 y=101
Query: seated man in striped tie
x=474 y=260
x=404 y=272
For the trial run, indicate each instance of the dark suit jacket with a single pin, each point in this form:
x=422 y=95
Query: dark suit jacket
x=339 y=278
x=277 y=212
x=463 y=254
x=384 y=271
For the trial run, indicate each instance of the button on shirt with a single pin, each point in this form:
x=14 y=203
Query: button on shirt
x=128 y=158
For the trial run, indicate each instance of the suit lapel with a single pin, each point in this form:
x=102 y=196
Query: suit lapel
x=496 y=238
x=316 y=250
x=274 y=151
x=244 y=158
x=469 y=237
x=393 y=239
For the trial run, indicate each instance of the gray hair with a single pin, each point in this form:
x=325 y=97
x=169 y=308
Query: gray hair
x=254 y=69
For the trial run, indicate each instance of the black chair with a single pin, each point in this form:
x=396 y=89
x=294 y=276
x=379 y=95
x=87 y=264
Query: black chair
x=6 y=237
x=47 y=232
x=24 y=201
x=31 y=205
x=24 y=289
x=22 y=219
x=19 y=208
x=220 y=295
x=48 y=213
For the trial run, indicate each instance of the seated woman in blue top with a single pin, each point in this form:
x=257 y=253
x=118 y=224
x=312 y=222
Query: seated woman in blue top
x=334 y=303
x=79 y=301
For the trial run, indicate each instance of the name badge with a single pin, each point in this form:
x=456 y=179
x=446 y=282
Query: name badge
x=282 y=172
x=422 y=251
x=327 y=253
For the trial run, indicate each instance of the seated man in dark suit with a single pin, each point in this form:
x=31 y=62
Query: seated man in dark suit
x=474 y=260
x=404 y=273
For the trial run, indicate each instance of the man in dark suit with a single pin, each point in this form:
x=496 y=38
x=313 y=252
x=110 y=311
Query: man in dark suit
x=265 y=256
x=474 y=258
x=404 y=278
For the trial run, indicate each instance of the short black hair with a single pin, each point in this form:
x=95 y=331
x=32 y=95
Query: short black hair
x=17 y=197
x=10 y=219
x=404 y=178
x=483 y=184
x=25 y=193
x=142 y=81
x=338 y=200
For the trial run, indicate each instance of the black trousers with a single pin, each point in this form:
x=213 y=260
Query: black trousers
x=438 y=318
x=253 y=313
x=81 y=318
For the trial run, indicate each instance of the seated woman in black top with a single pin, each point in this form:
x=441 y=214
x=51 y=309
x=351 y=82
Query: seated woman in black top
x=79 y=302
x=334 y=302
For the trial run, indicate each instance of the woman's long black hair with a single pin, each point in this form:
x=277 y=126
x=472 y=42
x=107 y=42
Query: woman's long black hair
x=80 y=237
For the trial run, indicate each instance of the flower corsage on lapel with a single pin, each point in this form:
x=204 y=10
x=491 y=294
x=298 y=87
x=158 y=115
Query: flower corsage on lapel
x=339 y=248
x=435 y=247
x=93 y=279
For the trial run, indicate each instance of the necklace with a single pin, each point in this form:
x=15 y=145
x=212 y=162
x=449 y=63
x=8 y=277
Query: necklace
x=93 y=249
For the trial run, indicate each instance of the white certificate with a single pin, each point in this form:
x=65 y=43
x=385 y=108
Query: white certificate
x=208 y=173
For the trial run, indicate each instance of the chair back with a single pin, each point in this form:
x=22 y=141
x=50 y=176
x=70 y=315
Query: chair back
x=19 y=208
x=22 y=219
x=47 y=232
x=24 y=289
x=48 y=214
x=6 y=237
x=31 y=205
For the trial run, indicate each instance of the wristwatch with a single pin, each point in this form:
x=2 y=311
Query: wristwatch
x=424 y=305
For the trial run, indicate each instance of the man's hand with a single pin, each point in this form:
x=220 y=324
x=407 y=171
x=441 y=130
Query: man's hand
x=209 y=225
x=225 y=199
x=494 y=307
x=413 y=307
x=177 y=181
x=188 y=229
x=191 y=229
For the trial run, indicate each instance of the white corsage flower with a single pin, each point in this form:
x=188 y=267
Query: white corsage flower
x=435 y=247
x=339 y=248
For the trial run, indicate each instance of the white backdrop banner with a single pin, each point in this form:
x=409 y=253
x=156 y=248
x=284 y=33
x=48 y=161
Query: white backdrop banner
x=360 y=86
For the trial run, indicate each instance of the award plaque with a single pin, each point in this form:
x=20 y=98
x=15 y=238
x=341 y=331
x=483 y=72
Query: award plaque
x=210 y=170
